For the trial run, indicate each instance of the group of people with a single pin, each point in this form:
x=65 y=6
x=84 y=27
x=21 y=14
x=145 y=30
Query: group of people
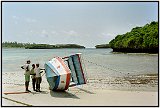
x=35 y=73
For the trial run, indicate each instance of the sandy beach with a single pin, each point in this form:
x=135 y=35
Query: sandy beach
x=106 y=52
x=97 y=92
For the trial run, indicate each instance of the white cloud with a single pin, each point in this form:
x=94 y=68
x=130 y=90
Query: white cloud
x=31 y=31
x=15 y=17
x=44 y=31
x=132 y=25
x=54 y=32
x=30 y=20
x=16 y=22
x=71 y=32
x=108 y=34
x=26 y=19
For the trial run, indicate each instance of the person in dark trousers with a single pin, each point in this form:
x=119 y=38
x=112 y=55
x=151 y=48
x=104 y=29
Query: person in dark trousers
x=26 y=67
x=33 y=76
x=38 y=77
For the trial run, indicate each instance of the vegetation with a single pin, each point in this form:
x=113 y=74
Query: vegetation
x=14 y=45
x=69 y=46
x=103 y=46
x=139 y=39
x=38 y=46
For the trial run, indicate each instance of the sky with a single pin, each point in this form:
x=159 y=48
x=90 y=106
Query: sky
x=83 y=23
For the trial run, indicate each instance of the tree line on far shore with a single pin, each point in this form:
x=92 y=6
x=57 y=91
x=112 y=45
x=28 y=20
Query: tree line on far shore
x=38 y=46
x=103 y=46
x=14 y=44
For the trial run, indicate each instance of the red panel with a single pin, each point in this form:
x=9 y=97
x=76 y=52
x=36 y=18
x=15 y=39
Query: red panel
x=68 y=72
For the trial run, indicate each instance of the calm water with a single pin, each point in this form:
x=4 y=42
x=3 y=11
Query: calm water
x=98 y=62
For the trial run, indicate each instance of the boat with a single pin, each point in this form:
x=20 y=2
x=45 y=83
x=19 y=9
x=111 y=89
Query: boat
x=62 y=73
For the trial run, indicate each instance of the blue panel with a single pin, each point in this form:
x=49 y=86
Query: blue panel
x=53 y=77
x=78 y=70
x=53 y=68
x=56 y=82
x=51 y=82
x=72 y=68
x=49 y=71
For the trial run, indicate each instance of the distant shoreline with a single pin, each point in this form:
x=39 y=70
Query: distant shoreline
x=39 y=46
x=131 y=50
x=43 y=48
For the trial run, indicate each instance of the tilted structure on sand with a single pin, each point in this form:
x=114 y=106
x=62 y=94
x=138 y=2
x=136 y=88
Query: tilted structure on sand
x=62 y=73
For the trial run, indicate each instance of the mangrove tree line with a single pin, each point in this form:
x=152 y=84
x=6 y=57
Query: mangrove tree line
x=139 y=39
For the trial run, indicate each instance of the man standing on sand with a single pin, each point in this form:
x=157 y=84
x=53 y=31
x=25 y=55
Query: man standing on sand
x=33 y=76
x=26 y=67
x=38 y=77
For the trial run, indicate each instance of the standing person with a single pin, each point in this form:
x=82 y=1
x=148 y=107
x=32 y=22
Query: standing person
x=38 y=77
x=26 y=67
x=33 y=76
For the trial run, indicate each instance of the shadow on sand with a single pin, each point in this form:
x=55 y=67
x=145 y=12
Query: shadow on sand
x=42 y=92
x=84 y=90
x=63 y=94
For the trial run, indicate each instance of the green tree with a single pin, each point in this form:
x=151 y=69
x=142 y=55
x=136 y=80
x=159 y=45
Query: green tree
x=139 y=38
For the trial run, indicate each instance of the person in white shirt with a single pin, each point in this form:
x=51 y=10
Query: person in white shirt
x=38 y=77
x=26 y=67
